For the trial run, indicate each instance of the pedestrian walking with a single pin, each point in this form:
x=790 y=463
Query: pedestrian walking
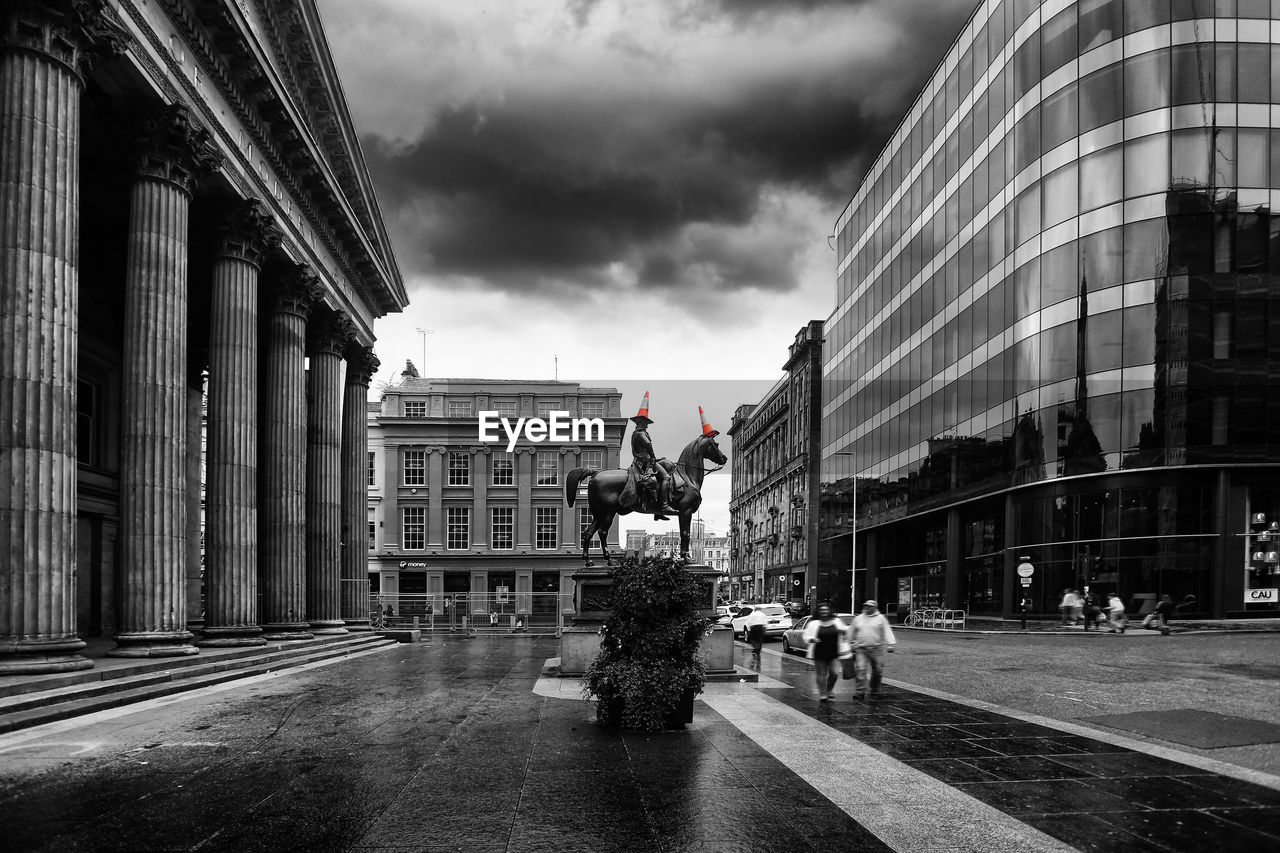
x=755 y=623
x=1070 y=607
x=1159 y=618
x=871 y=638
x=826 y=641
x=1116 y=620
x=1092 y=609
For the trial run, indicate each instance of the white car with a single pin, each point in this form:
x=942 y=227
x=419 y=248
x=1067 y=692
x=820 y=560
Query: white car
x=776 y=619
x=793 y=639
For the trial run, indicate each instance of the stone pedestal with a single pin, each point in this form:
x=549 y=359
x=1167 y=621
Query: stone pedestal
x=708 y=579
x=580 y=641
x=716 y=650
x=44 y=48
x=172 y=150
x=325 y=343
x=283 y=567
x=591 y=597
x=231 y=517
x=361 y=365
x=578 y=648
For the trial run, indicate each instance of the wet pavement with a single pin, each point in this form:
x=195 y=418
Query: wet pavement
x=1054 y=626
x=461 y=745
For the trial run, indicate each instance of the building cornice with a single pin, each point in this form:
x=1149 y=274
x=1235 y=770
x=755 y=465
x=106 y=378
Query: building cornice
x=222 y=40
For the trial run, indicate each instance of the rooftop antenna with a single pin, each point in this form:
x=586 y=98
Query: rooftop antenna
x=424 y=333
x=556 y=359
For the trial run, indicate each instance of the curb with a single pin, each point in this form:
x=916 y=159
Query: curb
x=1185 y=633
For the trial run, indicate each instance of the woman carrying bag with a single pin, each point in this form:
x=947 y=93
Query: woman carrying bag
x=826 y=640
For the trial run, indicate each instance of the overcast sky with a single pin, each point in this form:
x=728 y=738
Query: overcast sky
x=642 y=188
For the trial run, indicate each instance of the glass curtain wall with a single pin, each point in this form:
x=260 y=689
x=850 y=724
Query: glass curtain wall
x=1066 y=263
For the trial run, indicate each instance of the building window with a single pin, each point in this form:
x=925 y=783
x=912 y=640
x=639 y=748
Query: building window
x=592 y=409
x=502 y=525
x=584 y=521
x=373 y=535
x=415 y=467
x=459 y=468
x=548 y=468
x=458 y=528
x=504 y=408
x=413 y=527
x=87 y=445
x=546 y=527
x=415 y=408
x=503 y=469
x=545 y=408
x=372 y=478
x=459 y=408
x=593 y=459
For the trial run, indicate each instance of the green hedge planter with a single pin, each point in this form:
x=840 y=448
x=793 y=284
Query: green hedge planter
x=648 y=671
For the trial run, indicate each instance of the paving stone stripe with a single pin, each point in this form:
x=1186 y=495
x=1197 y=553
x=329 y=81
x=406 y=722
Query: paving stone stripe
x=905 y=807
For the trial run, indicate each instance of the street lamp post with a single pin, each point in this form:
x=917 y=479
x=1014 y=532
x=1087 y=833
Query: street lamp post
x=853 y=538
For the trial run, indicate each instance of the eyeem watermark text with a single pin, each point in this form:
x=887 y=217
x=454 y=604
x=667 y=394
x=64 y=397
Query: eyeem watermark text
x=560 y=427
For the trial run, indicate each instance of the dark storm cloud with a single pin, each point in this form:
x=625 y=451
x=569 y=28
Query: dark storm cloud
x=565 y=185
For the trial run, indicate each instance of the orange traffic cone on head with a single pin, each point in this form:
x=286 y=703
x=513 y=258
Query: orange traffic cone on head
x=643 y=414
x=706 y=427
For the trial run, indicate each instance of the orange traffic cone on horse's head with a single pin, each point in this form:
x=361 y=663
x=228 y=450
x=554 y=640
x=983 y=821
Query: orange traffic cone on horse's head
x=706 y=427
x=642 y=416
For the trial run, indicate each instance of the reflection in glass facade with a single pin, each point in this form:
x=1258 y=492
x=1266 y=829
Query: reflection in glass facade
x=1057 y=325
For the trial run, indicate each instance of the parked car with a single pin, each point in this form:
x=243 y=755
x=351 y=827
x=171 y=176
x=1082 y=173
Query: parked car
x=793 y=637
x=724 y=614
x=776 y=619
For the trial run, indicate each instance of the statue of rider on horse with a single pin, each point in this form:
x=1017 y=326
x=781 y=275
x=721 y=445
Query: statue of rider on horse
x=650 y=484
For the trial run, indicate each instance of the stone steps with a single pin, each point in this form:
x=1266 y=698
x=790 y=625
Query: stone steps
x=49 y=699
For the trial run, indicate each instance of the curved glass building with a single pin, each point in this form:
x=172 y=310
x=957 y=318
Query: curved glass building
x=1057 y=327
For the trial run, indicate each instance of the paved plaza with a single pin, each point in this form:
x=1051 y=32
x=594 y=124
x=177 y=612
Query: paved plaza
x=474 y=745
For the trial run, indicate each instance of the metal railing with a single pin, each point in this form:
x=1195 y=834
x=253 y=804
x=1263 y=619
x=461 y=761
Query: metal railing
x=935 y=617
x=476 y=613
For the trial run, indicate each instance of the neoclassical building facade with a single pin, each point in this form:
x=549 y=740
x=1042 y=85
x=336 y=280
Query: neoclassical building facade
x=188 y=234
x=450 y=516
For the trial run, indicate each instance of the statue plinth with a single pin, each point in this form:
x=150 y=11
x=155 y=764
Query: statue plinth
x=591 y=588
x=580 y=641
x=709 y=580
x=580 y=638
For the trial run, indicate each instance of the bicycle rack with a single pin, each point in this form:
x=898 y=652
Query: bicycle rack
x=936 y=617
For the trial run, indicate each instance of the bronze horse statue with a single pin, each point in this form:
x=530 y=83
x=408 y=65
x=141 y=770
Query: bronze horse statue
x=604 y=493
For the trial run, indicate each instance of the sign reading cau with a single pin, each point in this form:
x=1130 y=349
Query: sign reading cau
x=559 y=427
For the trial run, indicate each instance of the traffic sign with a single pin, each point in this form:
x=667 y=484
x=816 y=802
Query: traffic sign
x=1026 y=581
x=1026 y=570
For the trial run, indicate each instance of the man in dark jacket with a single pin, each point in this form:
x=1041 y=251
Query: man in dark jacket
x=1092 y=609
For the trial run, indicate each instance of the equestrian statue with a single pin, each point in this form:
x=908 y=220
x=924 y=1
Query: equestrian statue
x=650 y=484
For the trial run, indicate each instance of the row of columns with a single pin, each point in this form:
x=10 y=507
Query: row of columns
x=312 y=470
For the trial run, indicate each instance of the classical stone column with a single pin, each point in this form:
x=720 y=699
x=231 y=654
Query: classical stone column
x=195 y=491
x=361 y=365
x=283 y=558
x=44 y=48
x=231 y=495
x=172 y=151
x=326 y=340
